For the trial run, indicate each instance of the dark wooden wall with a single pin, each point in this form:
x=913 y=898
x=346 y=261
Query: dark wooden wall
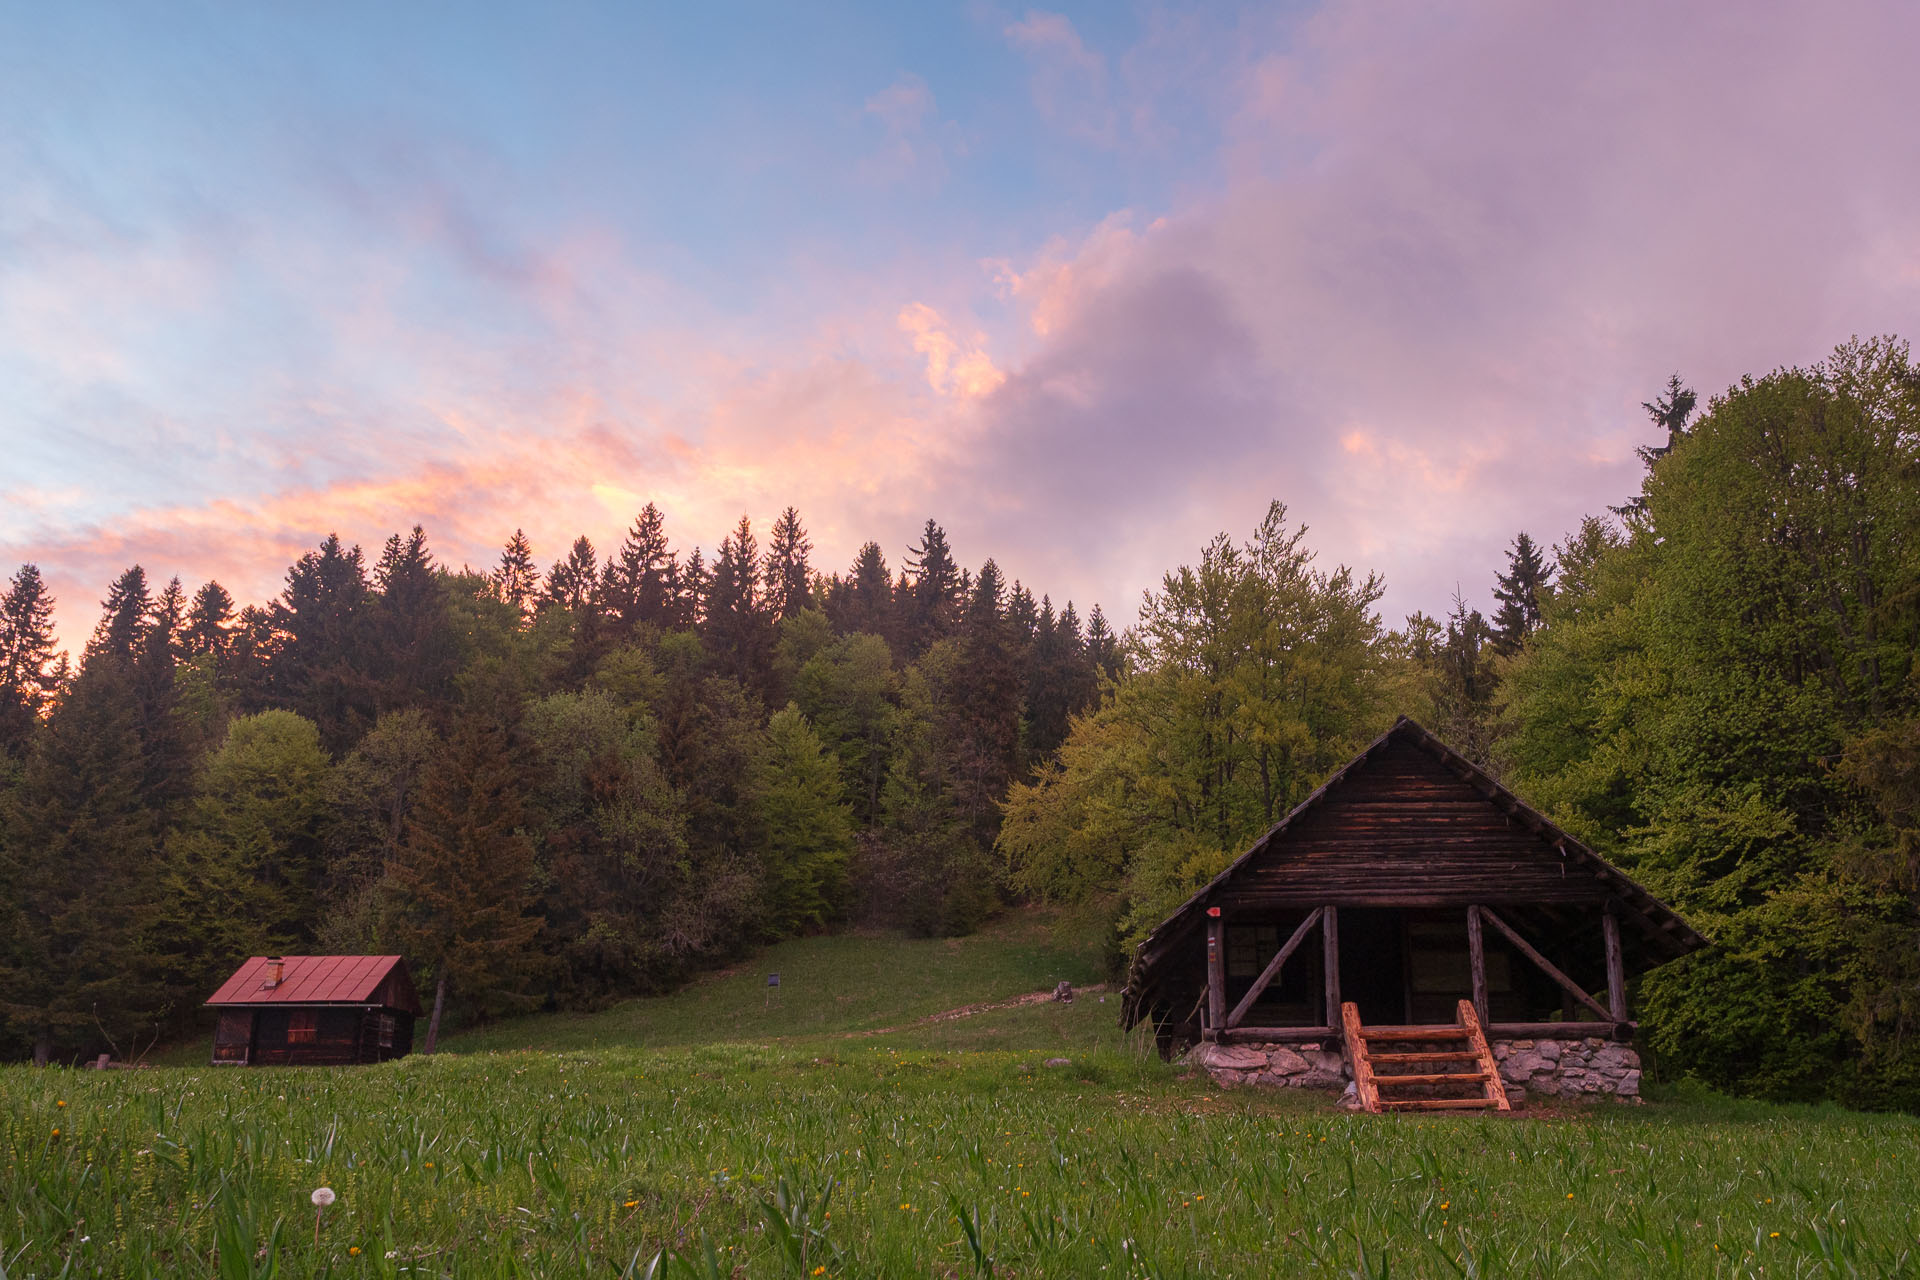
x=271 y=1035
x=1404 y=831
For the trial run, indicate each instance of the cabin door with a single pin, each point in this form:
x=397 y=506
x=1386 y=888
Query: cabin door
x=1373 y=964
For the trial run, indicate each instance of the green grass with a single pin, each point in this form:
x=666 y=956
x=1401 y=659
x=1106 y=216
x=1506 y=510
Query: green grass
x=833 y=985
x=941 y=1149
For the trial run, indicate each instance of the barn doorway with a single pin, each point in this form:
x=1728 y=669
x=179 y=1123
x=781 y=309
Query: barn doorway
x=1373 y=963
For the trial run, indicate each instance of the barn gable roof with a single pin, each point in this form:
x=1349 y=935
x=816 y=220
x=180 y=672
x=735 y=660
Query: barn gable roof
x=1662 y=930
x=320 y=980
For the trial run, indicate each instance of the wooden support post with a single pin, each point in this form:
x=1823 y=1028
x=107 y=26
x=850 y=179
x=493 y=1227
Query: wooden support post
x=1477 y=962
x=1330 y=951
x=1272 y=970
x=1616 y=967
x=1525 y=948
x=1216 y=976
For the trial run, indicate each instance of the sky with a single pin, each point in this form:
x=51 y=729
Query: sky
x=1086 y=285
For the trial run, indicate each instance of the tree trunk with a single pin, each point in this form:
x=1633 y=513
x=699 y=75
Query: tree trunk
x=439 y=1003
x=42 y=1051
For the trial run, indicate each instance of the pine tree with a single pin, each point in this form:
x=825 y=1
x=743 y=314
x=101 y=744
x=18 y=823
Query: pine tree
x=462 y=883
x=26 y=657
x=209 y=622
x=1521 y=590
x=985 y=701
x=639 y=580
x=788 y=579
x=934 y=593
x=516 y=580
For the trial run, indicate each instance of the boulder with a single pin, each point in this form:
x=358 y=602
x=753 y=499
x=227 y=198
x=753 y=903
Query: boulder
x=1628 y=1085
x=1549 y=1050
x=1230 y=1057
x=1615 y=1058
x=1285 y=1061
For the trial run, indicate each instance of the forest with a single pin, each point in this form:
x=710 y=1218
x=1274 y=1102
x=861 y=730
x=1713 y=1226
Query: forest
x=553 y=790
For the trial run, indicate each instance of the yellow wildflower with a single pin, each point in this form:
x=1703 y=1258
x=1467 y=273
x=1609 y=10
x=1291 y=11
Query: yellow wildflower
x=353 y=1251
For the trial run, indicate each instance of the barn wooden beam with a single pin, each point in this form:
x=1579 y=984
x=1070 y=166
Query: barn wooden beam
x=1477 y=961
x=1216 y=974
x=1272 y=970
x=1616 y=966
x=1330 y=951
x=1546 y=966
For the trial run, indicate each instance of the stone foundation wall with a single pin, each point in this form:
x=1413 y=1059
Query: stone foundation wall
x=1592 y=1067
x=1561 y=1068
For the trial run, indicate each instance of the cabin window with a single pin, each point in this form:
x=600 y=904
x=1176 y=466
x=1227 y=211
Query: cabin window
x=303 y=1027
x=384 y=1029
x=1249 y=947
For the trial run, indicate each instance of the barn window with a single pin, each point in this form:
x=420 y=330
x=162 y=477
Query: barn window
x=385 y=1030
x=303 y=1027
x=1249 y=947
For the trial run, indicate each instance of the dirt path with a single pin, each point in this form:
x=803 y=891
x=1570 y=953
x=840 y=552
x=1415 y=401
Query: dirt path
x=970 y=1010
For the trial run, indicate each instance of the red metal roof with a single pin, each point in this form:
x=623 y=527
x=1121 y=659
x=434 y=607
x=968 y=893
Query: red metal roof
x=308 y=980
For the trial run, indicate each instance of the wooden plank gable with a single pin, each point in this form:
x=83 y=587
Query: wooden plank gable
x=1403 y=830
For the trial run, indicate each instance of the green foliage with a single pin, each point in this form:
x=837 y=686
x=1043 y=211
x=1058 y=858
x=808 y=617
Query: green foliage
x=801 y=828
x=1695 y=684
x=1253 y=675
x=243 y=869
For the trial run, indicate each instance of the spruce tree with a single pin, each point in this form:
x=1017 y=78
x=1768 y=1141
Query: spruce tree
x=690 y=587
x=316 y=644
x=462 y=883
x=413 y=650
x=165 y=744
x=80 y=853
x=26 y=657
x=516 y=579
x=1521 y=591
x=1103 y=647
x=933 y=591
x=209 y=623
x=788 y=579
x=869 y=595
x=573 y=582
x=124 y=618
x=639 y=579
x=736 y=626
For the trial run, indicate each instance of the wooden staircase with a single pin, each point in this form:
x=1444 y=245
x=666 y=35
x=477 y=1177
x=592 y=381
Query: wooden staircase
x=1472 y=1086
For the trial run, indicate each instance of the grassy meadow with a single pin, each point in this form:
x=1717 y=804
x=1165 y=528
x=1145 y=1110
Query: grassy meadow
x=837 y=1134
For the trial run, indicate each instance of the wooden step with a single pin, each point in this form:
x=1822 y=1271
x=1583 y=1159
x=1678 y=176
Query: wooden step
x=1414 y=1033
x=1470 y=1077
x=1437 y=1104
x=1460 y=1055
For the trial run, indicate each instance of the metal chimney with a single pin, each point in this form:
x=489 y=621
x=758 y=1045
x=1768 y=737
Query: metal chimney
x=276 y=970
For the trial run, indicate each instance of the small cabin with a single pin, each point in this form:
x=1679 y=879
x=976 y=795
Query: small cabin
x=1411 y=921
x=315 y=1011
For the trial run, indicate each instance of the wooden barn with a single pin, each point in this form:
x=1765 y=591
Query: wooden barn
x=1415 y=928
x=315 y=1011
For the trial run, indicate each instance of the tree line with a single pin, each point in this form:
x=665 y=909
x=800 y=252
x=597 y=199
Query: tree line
x=1713 y=683
x=546 y=789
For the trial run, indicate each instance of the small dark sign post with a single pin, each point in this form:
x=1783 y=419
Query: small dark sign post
x=773 y=981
